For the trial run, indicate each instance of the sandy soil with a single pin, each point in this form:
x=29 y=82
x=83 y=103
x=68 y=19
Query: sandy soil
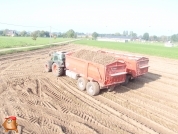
x=45 y=104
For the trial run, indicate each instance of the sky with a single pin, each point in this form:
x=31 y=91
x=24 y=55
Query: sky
x=157 y=17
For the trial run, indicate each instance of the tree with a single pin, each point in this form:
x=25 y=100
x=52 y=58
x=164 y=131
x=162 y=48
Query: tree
x=54 y=35
x=59 y=34
x=146 y=36
x=5 y=32
x=174 y=38
x=23 y=33
x=124 y=33
x=94 y=35
x=155 y=38
x=70 y=34
x=42 y=33
x=164 y=38
x=46 y=33
x=131 y=33
x=118 y=34
x=34 y=35
x=1 y=32
x=134 y=35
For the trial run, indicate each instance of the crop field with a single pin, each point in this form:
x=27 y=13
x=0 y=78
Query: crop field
x=46 y=104
x=156 y=49
x=9 y=42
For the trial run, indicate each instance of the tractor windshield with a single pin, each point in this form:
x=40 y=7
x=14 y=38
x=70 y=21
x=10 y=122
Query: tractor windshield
x=61 y=56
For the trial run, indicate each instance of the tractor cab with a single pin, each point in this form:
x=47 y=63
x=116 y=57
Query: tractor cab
x=58 y=56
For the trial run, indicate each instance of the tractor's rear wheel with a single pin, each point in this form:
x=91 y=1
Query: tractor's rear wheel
x=81 y=83
x=57 y=70
x=92 y=88
x=48 y=66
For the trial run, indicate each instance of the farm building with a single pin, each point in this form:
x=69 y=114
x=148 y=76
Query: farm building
x=10 y=33
x=114 y=38
x=81 y=36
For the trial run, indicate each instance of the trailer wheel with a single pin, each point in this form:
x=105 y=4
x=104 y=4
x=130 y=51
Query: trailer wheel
x=81 y=83
x=57 y=70
x=132 y=80
x=48 y=66
x=126 y=80
x=110 y=89
x=92 y=88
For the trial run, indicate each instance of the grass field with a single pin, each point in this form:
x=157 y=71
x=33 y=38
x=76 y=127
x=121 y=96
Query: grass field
x=155 y=49
x=9 y=42
x=26 y=49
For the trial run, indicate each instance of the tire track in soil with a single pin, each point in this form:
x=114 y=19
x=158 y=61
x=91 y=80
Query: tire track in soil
x=33 y=112
x=160 y=86
x=24 y=67
x=136 y=97
x=74 y=99
x=155 y=95
x=154 y=75
x=85 y=115
x=157 y=118
x=18 y=108
x=45 y=118
x=65 y=109
x=95 y=112
x=154 y=125
x=148 y=97
x=117 y=113
x=163 y=74
x=142 y=119
x=162 y=80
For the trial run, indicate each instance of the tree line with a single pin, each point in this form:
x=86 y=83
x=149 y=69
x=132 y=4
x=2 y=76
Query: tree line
x=72 y=34
x=69 y=34
x=163 y=38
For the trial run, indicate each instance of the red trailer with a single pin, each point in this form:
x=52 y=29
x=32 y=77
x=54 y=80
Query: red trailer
x=94 y=76
x=135 y=65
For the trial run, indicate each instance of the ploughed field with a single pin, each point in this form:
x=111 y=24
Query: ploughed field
x=45 y=104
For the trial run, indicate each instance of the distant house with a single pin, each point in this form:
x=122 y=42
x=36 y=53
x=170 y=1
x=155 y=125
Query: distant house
x=168 y=44
x=114 y=38
x=10 y=33
x=81 y=35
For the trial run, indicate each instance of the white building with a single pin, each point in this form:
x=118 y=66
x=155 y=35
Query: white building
x=169 y=44
x=114 y=39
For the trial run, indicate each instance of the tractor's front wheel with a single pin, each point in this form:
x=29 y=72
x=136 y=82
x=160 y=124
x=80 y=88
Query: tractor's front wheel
x=57 y=70
x=48 y=66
